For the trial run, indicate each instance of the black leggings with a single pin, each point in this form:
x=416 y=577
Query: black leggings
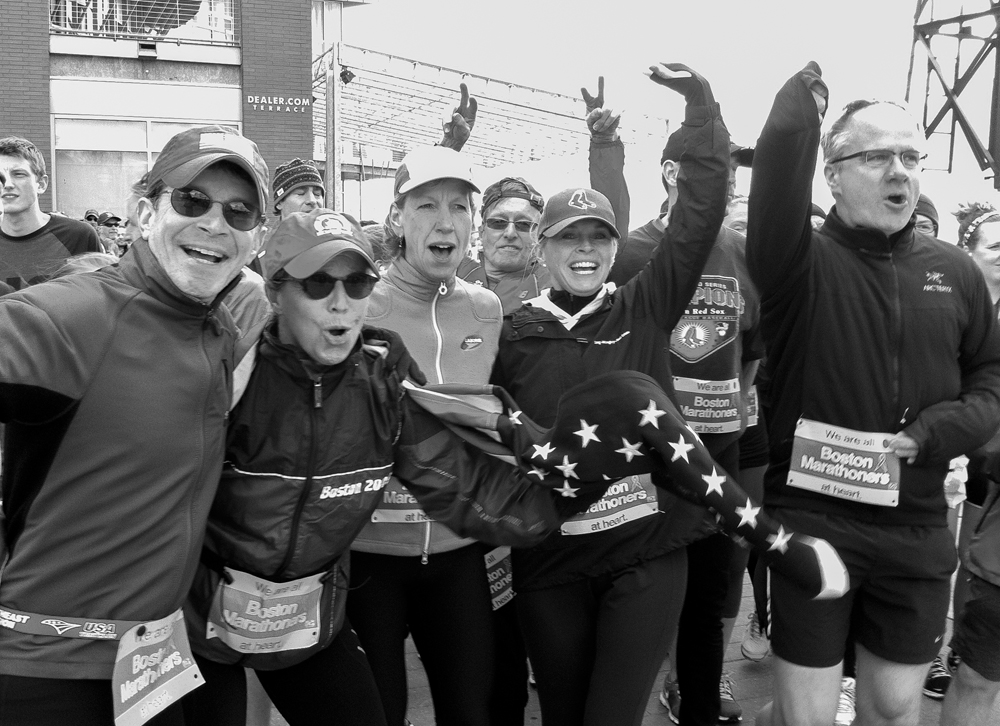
x=445 y=604
x=58 y=702
x=597 y=644
x=333 y=686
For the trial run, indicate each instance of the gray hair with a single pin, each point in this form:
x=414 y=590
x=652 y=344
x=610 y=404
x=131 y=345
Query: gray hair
x=836 y=139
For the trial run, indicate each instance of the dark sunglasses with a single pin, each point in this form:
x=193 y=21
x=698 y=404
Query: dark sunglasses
x=498 y=224
x=357 y=285
x=193 y=203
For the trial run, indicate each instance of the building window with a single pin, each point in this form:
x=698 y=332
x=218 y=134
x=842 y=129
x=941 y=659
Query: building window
x=96 y=160
x=194 y=21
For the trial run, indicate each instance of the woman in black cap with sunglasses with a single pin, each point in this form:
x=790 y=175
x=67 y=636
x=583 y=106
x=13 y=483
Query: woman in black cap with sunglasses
x=320 y=424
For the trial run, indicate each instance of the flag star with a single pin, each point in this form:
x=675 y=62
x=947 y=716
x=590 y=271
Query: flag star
x=748 y=514
x=566 y=490
x=567 y=469
x=715 y=481
x=605 y=477
x=681 y=449
x=586 y=434
x=543 y=451
x=779 y=541
x=629 y=451
x=651 y=415
x=515 y=418
x=535 y=471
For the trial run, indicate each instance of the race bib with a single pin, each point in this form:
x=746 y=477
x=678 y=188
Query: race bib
x=500 y=574
x=843 y=463
x=710 y=407
x=154 y=668
x=399 y=506
x=253 y=615
x=625 y=501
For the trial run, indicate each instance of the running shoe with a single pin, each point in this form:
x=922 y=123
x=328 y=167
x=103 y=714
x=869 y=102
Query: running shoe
x=756 y=645
x=670 y=699
x=729 y=710
x=845 y=704
x=937 y=680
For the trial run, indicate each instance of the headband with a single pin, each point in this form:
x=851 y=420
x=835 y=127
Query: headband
x=975 y=224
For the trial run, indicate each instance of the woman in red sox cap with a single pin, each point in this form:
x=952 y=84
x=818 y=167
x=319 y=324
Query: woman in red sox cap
x=599 y=600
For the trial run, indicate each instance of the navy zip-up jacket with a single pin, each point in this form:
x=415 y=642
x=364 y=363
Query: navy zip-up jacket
x=865 y=331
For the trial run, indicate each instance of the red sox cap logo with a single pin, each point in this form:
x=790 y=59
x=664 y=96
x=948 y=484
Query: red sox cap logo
x=580 y=201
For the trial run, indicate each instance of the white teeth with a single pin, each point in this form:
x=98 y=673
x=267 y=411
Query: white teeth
x=209 y=253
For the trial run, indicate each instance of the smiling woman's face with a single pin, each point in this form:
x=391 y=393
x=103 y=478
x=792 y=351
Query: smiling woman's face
x=579 y=257
x=435 y=221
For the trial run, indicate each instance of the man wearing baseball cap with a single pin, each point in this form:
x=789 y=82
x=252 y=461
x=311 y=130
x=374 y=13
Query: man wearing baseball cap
x=451 y=328
x=114 y=388
x=508 y=263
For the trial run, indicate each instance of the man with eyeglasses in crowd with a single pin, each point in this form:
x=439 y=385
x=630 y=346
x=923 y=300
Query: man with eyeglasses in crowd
x=114 y=388
x=508 y=264
x=884 y=361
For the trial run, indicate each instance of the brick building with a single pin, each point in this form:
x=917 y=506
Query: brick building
x=100 y=86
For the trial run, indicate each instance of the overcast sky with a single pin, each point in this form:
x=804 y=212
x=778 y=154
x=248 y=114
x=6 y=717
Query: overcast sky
x=746 y=48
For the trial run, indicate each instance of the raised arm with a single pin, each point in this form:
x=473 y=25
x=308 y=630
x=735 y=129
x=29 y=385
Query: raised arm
x=778 y=226
x=607 y=156
x=665 y=287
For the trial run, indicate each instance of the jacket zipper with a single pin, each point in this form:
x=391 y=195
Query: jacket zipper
x=897 y=331
x=317 y=396
x=438 y=355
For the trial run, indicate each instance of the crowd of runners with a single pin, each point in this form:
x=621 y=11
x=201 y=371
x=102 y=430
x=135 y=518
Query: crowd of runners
x=251 y=444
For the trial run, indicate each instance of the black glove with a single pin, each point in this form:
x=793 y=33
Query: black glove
x=397 y=356
x=463 y=117
x=602 y=122
x=811 y=77
x=690 y=84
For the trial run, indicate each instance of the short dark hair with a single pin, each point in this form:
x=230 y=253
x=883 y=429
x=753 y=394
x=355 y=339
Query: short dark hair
x=17 y=146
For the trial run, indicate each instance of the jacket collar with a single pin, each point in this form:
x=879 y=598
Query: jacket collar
x=410 y=280
x=142 y=270
x=870 y=241
x=543 y=305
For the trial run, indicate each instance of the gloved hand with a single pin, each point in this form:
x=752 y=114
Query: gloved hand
x=458 y=130
x=602 y=122
x=811 y=76
x=678 y=77
x=397 y=356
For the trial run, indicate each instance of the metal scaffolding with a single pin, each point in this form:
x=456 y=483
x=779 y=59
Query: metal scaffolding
x=957 y=39
x=388 y=105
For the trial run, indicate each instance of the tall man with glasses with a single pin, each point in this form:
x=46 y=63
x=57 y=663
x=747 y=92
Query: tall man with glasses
x=884 y=362
x=114 y=388
x=508 y=263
